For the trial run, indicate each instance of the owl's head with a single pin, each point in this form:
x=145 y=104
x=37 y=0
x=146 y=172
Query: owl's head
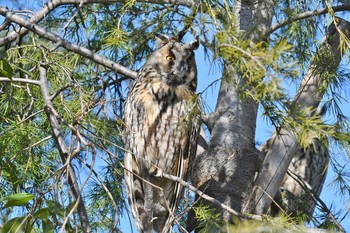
x=174 y=61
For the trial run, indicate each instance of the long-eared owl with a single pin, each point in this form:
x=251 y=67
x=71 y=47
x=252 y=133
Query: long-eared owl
x=161 y=129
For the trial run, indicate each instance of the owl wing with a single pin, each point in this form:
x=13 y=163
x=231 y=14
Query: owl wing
x=187 y=152
x=132 y=168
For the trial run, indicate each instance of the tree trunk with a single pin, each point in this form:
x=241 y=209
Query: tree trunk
x=228 y=166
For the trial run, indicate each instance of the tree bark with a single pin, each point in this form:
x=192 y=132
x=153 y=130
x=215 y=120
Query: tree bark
x=227 y=168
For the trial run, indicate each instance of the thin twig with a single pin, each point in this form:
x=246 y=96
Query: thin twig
x=246 y=53
x=5 y=24
x=141 y=178
x=32 y=115
x=61 y=89
x=38 y=142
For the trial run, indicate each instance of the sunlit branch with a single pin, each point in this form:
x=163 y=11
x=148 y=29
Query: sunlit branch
x=190 y=187
x=285 y=145
x=20 y=80
x=207 y=197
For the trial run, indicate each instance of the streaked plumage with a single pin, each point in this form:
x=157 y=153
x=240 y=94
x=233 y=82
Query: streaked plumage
x=161 y=130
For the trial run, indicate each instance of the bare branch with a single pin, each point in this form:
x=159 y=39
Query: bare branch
x=37 y=143
x=60 y=90
x=20 y=80
x=315 y=197
x=66 y=44
x=209 y=198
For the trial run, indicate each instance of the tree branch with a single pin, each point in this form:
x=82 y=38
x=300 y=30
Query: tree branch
x=227 y=208
x=20 y=80
x=209 y=198
x=66 y=44
x=307 y=14
x=200 y=193
x=37 y=143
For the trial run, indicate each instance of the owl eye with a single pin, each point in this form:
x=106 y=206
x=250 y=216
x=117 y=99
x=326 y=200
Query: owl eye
x=170 y=58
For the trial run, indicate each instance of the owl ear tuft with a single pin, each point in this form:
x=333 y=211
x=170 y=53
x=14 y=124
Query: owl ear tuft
x=195 y=43
x=161 y=40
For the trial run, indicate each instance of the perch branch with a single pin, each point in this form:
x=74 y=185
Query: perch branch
x=20 y=80
x=209 y=198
